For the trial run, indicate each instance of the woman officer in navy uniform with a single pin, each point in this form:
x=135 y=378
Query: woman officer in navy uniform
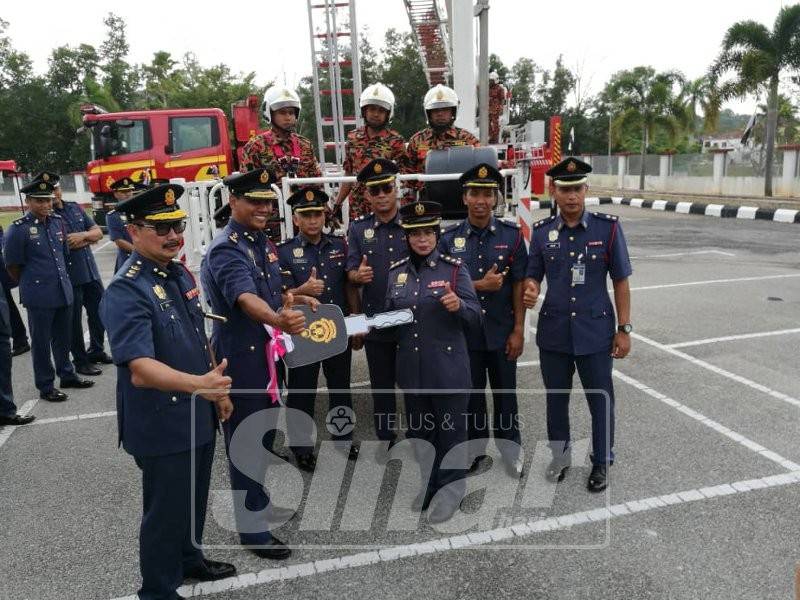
x=432 y=352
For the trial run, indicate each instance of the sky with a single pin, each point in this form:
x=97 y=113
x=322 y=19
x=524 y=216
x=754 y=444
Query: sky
x=271 y=37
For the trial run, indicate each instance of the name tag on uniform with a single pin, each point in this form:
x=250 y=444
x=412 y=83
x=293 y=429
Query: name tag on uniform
x=552 y=245
x=438 y=283
x=596 y=243
x=579 y=274
x=192 y=293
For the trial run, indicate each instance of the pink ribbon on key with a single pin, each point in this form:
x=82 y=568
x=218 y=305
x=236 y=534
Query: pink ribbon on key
x=277 y=346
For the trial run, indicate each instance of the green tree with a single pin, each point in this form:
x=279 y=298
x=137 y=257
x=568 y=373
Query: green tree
x=757 y=57
x=118 y=76
x=645 y=101
x=401 y=69
x=16 y=67
x=701 y=93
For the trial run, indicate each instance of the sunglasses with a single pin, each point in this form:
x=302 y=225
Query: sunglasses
x=162 y=229
x=258 y=201
x=375 y=190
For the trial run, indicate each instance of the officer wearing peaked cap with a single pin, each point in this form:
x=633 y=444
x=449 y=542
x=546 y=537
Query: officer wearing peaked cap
x=313 y=264
x=577 y=251
x=152 y=312
x=432 y=354
x=123 y=189
x=374 y=242
x=242 y=280
x=494 y=252
x=36 y=254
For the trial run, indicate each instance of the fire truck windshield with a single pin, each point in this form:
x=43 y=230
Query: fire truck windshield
x=115 y=138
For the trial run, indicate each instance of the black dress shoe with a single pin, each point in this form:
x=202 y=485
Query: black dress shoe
x=101 y=358
x=422 y=501
x=77 y=383
x=274 y=549
x=307 y=462
x=16 y=420
x=515 y=468
x=598 y=479
x=210 y=570
x=556 y=470
x=90 y=370
x=53 y=396
x=21 y=349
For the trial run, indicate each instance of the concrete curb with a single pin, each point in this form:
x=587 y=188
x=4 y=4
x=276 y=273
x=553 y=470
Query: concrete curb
x=781 y=215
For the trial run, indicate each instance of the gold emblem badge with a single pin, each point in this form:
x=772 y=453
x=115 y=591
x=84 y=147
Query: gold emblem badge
x=126 y=181
x=42 y=186
x=440 y=95
x=169 y=197
x=460 y=242
x=287 y=93
x=552 y=235
x=378 y=169
x=571 y=166
x=309 y=195
x=298 y=252
x=33 y=230
x=321 y=331
x=369 y=234
x=160 y=292
x=419 y=209
x=46 y=177
x=401 y=278
x=264 y=177
x=483 y=172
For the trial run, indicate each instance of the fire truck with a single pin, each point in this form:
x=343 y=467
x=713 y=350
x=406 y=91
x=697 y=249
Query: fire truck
x=193 y=144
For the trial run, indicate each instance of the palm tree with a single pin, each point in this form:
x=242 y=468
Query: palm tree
x=703 y=93
x=757 y=57
x=646 y=100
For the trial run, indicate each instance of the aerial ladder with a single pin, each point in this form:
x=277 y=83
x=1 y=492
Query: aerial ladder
x=428 y=22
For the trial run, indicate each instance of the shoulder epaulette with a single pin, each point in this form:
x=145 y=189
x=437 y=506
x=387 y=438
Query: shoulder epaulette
x=134 y=270
x=18 y=221
x=234 y=237
x=363 y=217
x=450 y=259
x=111 y=212
x=509 y=222
x=606 y=216
x=53 y=214
x=543 y=222
x=396 y=264
x=451 y=227
x=283 y=243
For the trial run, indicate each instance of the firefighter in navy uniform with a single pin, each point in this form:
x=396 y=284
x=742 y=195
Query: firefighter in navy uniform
x=8 y=409
x=577 y=250
x=432 y=352
x=19 y=335
x=313 y=264
x=162 y=359
x=36 y=254
x=87 y=286
x=242 y=280
x=494 y=252
x=374 y=242
x=123 y=190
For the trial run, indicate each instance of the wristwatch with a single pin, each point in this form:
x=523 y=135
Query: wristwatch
x=626 y=328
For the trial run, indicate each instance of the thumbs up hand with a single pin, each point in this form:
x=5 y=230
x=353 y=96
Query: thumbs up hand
x=450 y=300
x=214 y=385
x=492 y=280
x=364 y=273
x=313 y=286
x=530 y=293
x=289 y=320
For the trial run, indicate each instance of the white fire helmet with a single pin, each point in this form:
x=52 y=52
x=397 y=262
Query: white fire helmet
x=440 y=96
x=278 y=97
x=377 y=94
x=493 y=76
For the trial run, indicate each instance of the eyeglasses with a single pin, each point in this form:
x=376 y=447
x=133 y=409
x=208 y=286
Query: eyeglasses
x=162 y=229
x=375 y=190
x=258 y=201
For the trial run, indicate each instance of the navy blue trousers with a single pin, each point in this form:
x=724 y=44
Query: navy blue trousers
x=381 y=364
x=439 y=419
x=7 y=406
x=50 y=331
x=170 y=523
x=256 y=495
x=595 y=373
x=502 y=375
x=18 y=332
x=337 y=376
x=88 y=296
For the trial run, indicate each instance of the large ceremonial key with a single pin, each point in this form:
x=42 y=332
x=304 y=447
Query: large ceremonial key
x=327 y=331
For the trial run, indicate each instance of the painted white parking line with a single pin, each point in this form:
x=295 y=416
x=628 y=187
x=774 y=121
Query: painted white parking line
x=101 y=246
x=81 y=417
x=674 y=254
x=729 y=338
x=719 y=371
x=700 y=418
x=5 y=432
x=493 y=538
x=712 y=281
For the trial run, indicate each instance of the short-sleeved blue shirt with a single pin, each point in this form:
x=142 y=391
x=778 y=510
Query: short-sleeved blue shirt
x=577 y=318
x=40 y=249
x=150 y=311
x=298 y=256
x=499 y=243
x=118 y=231
x=81 y=266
